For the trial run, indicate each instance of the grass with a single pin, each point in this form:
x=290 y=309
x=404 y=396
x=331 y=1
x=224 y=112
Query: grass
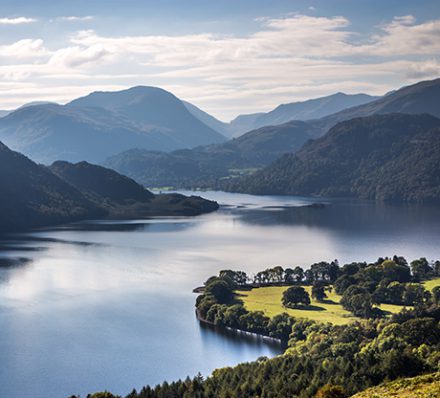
x=426 y=386
x=431 y=284
x=268 y=300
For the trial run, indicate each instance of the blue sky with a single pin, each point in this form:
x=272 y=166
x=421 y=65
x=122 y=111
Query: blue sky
x=228 y=57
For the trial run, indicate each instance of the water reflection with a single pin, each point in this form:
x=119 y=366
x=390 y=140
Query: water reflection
x=237 y=337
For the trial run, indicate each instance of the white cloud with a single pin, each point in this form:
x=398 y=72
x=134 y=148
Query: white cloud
x=72 y=57
x=77 y=18
x=16 y=21
x=26 y=48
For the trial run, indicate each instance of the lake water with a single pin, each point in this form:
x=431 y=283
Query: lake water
x=108 y=305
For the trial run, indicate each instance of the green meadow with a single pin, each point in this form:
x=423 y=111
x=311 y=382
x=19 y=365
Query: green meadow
x=268 y=300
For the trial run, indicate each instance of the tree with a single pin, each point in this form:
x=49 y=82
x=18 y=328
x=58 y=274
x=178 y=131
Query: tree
x=295 y=297
x=298 y=272
x=436 y=295
x=421 y=269
x=318 y=291
x=221 y=290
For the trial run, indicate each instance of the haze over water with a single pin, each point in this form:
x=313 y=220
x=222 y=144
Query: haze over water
x=108 y=305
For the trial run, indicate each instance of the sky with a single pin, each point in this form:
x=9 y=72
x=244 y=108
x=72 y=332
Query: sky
x=227 y=57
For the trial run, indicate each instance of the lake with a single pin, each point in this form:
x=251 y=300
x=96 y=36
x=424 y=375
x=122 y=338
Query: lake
x=109 y=305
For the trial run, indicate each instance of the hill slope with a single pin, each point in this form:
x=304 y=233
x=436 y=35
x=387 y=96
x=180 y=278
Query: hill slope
x=209 y=120
x=427 y=386
x=422 y=97
x=305 y=110
x=205 y=165
x=383 y=157
x=122 y=197
x=102 y=124
x=33 y=196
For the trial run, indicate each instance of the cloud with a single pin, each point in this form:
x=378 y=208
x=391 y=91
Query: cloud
x=77 y=18
x=76 y=56
x=26 y=48
x=16 y=21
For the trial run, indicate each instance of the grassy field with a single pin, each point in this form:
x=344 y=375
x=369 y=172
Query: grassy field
x=429 y=285
x=268 y=300
x=427 y=386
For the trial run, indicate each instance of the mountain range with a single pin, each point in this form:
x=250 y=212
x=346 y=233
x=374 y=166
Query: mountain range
x=382 y=157
x=102 y=124
x=210 y=166
x=422 y=97
x=34 y=195
x=305 y=110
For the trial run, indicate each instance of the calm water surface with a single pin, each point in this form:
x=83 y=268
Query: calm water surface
x=108 y=305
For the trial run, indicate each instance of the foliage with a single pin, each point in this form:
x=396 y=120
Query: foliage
x=295 y=297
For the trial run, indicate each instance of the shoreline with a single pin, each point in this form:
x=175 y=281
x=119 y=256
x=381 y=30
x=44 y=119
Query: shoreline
x=239 y=331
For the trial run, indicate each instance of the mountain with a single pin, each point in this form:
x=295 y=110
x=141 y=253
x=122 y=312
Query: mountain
x=101 y=184
x=104 y=123
x=204 y=166
x=243 y=123
x=35 y=195
x=422 y=97
x=4 y=113
x=208 y=120
x=382 y=157
x=122 y=197
x=152 y=107
x=305 y=110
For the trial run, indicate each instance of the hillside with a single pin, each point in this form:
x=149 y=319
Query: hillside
x=209 y=120
x=305 y=110
x=34 y=195
x=204 y=166
x=103 y=124
x=422 y=97
x=426 y=386
x=122 y=197
x=383 y=157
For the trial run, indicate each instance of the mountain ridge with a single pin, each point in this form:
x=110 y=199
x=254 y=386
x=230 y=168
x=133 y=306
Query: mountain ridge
x=381 y=157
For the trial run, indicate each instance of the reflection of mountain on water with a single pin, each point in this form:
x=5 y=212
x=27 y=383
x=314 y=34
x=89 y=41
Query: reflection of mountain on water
x=151 y=225
x=10 y=264
x=349 y=217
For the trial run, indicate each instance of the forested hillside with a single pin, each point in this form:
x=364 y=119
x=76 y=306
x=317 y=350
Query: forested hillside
x=382 y=157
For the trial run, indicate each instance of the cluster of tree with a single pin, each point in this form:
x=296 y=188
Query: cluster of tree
x=318 y=272
x=323 y=359
x=387 y=281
